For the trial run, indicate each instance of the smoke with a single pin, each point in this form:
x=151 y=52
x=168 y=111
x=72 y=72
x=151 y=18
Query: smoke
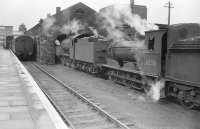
x=72 y=27
x=48 y=26
x=94 y=31
x=154 y=94
x=155 y=90
x=118 y=15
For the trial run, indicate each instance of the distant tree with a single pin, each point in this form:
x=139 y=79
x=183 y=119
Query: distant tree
x=22 y=27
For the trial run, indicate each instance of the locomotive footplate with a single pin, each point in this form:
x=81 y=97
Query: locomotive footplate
x=132 y=78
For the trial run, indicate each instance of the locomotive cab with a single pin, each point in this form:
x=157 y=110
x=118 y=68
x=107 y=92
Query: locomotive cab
x=152 y=59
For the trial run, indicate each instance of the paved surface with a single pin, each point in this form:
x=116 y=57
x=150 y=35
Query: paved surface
x=20 y=106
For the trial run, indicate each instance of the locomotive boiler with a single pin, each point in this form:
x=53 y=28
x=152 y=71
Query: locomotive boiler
x=122 y=52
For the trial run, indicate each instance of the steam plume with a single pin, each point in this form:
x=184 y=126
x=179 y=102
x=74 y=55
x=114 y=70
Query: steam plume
x=72 y=27
x=48 y=26
x=155 y=90
x=94 y=31
x=118 y=15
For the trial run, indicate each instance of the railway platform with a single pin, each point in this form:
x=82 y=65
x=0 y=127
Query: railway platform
x=22 y=103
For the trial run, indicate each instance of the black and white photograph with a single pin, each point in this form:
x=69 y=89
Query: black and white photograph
x=99 y=64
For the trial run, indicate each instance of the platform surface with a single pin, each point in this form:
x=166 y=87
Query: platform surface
x=20 y=105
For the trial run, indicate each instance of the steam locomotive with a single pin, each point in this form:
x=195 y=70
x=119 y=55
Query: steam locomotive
x=171 y=54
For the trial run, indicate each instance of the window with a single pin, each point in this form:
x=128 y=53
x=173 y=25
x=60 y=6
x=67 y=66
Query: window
x=151 y=44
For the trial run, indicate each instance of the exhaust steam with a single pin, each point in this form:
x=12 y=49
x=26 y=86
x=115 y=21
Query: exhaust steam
x=155 y=90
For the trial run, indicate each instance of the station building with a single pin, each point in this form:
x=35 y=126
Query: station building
x=80 y=12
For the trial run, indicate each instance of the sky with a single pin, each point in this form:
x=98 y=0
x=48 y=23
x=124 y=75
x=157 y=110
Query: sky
x=16 y=12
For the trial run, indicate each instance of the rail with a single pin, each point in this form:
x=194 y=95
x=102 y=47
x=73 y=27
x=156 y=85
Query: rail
x=93 y=105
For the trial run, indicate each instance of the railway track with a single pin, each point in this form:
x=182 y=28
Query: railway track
x=76 y=110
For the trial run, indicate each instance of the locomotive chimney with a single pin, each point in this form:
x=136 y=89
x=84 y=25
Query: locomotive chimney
x=58 y=10
x=132 y=3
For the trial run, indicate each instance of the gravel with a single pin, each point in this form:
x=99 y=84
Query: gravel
x=129 y=104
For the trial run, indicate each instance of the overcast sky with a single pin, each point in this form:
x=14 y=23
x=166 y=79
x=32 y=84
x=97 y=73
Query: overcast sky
x=15 y=12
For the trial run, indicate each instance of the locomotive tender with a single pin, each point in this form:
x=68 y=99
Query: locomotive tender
x=172 y=54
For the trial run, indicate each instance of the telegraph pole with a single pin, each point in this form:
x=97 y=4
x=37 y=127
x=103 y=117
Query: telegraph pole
x=132 y=3
x=169 y=6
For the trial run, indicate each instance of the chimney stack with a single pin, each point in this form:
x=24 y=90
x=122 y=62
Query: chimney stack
x=41 y=20
x=58 y=10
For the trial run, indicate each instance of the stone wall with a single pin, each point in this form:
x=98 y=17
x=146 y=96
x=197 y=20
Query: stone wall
x=46 y=51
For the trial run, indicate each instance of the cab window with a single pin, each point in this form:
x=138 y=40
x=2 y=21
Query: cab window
x=151 y=44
